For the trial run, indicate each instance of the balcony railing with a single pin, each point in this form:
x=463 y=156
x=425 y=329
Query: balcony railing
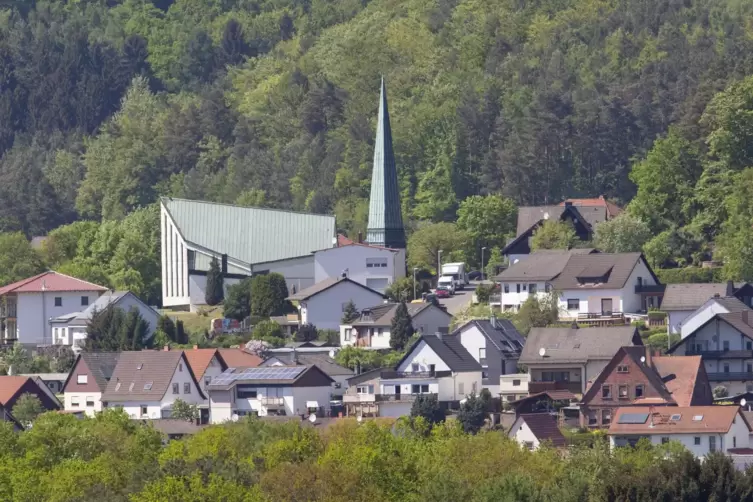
x=596 y=319
x=723 y=377
x=359 y=398
x=721 y=354
x=391 y=375
x=401 y=397
x=495 y=298
x=536 y=387
x=272 y=402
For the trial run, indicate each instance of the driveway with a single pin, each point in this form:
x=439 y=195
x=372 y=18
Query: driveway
x=461 y=300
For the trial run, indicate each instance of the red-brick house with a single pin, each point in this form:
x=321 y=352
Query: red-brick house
x=635 y=377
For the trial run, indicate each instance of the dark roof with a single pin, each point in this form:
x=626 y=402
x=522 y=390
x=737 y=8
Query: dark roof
x=528 y=216
x=136 y=370
x=537 y=266
x=322 y=361
x=267 y=375
x=741 y=321
x=691 y=296
x=554 y=395
x=324 y=285
x=382 y=314
x=732 y=304
x=100 y=364
x=171 y=426
x=544 y=427
x=576 y=344
x=614 y=269
x=449 y=349
x=500 y=332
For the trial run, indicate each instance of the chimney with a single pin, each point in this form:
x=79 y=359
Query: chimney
x=746 y=316
x=493 y=321
x=716 y=295
x=360 y=237
x=439 y=334
x=568 y=203
x=730 y=288
x=649 y=353
x=294 y=357
x=195 y=347
x=166 y=348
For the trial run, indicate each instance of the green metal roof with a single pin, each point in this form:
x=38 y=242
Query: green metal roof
x=248 y=234
x=385 y=227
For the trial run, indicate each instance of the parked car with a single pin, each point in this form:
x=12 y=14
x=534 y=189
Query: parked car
x=474 y=275
x=442 y=292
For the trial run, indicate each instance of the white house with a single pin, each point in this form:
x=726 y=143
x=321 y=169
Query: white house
x=435 y=364
x=373 y=266
x=725 y=344
x=87 y=380
x=244 y=240
x=206 y=365
x=323 y=303
x=146 y=384
x=534 y=429
x=26 y=306
x=684 y=302
x=701 y=429
x=274 y=390
x=323 y=361
x=70 y=329
x=513 y=386
x=372 y=328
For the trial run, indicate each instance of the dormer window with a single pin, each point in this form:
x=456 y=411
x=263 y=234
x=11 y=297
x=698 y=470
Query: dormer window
x=594 y=274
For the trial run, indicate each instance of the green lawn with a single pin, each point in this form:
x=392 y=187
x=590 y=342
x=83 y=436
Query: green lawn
x=194 y=322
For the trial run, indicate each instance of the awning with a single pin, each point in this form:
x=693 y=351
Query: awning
x=312 y=404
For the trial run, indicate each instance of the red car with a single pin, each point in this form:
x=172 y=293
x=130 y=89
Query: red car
x=442 y=292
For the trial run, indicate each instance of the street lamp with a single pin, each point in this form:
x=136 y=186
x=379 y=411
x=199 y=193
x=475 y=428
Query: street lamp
x=482 y=263
x=414 y=282
x=439 y=265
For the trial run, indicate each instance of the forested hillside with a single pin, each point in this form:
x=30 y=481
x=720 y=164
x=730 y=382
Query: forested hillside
x=106 y=105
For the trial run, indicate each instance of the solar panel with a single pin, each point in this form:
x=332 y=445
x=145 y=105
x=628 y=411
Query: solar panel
x=264 y=373
x=633 y=418
x=697 y=418
x=676 y=417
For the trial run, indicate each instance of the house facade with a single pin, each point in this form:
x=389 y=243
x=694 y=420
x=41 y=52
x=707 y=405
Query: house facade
x=13 y=387
x=700 y=429
x=70 y=329
x=323 y=304
x=26 y=306
x=338 y=374
x=372 y=329
x=496 y=345
x=682 y=301
x=531 y=431
x=434 y=365
x=725 y=343
x=704 y=313
x=513 y=386
x=568 y=358
x=265 y=391
x=206 y=364
x=373 y=266
x=87 y=380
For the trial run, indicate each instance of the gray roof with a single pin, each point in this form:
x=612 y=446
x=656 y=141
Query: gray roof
x=324 y=285
x=614 y=268
x=741 y=321
x=100 y=304
x=250 y=235
x=690 y=296
x=101 y=365
x=576 y=345
x=321 y=361
x=382 y=314
x=385 y=226
x=537 y=266
x=502 y=333
x=47 y=377
x=144 y=375
x=529 y=216
x=732 y=304
x=450 y=350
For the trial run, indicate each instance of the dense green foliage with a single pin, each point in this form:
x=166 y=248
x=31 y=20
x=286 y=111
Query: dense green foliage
x=268 y=295
x=113 y=330
x=401 y=328
x=27 y=408
x=215 y=291
x=554 y=235
x=238 y=300
x=350 y=313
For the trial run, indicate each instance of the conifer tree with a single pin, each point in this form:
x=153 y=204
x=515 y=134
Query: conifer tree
x=215 y=291
x=402 y=328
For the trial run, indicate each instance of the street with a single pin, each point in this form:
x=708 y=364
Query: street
x=461 y=300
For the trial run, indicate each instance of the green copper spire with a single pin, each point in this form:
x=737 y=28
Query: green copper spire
x=385 y=226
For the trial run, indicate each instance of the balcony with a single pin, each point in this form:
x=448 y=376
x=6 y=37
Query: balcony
x=650 y=289
x=721 y=354
x=7 y=311
x=536 y=387
x=359 y=398
x=599 y=319
x=724 y=377
x=495 y=299
x=394 y=375
x=401 y=397
x=272 y=402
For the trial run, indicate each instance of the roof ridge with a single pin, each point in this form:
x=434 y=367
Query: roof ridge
x=164 y=198
x=24 y=282
x=80 y=280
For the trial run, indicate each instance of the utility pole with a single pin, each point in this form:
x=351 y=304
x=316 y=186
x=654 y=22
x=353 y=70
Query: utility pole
x=414 y=282
x=482 y=263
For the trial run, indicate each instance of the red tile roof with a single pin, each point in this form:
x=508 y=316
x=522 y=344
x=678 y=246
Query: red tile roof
x=9 y=387
x=198 y=360
x=343 y=241
x=686 y=370
x=710 y=420
x=544 y=427
x=52 y=282
x=612 y=208
x=239 y=358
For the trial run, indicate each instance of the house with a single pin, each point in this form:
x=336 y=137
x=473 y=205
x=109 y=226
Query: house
x=53 y=381
x=496 y=344
x=704 y=313
x=339 y=374
x=5 y=416
x=635 y=376
x=372 y=329
x=26 y=306
x=146 y=383
x=206 y=364
x=549 y=401
x=375 y=267
x=273 y=390
x=435 y=364
x=323 y=303
x=239 y=358
x=566 y=358
x=513 y=386
x=606 y=285
x=583 y=218
x=682 y=300
x=725 y=343
x=13 y=387
x=70 y=329
x=87 y=380
x=533 y=430
x=701 y=429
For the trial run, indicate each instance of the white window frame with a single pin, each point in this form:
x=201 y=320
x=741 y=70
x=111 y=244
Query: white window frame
x=82 y=379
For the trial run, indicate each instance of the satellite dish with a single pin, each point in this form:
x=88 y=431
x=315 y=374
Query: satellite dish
x=312 y=418
x=743 y=402
x=643 y=359
x=546 y=216
x=332 y=354
x=360 y=417
x=235 y=417
x=542 y=351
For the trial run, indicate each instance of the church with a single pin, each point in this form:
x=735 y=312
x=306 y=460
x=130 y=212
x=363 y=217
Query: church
x=304 y=247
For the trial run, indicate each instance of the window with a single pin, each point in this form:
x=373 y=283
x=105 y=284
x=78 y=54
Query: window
x=638 y=391
x=380 y=331
x=573 y=304
x=532 y=289
x=180 y=367
x=482 y=355
x=414 y=367
x=74 y=402
x=144 y=411
x=82 y=379
x=348 y=333
x=725 y=345
x=84 y=301
x=117 y=387
x=529 y=445
x=507 y=288
x=623 y=392
x=90 y=401
x=726 y=367
x=518 y=287
x=176 y=388
x=524 y=287
x=606 y=417
x=246 y=392
x=749 y=367
x=749 y=345
x=592 y=420
x=58 y=301
x=734 y=442
x=664 y=440
x=697 y=440
x=207 y=379
x=376 y=262
x=675 y=417
x=606 y=392
x=484 y=374
x=516 y=383
x=461 y=388
x=148 y=386
x=365 y=389
x=187 y=388
x=548 y=287
x=432 y=368
x=623 y=369
x=712 y=443
x=419 y=389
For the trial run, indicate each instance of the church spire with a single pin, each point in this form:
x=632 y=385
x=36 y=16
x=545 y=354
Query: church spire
x=385 y=226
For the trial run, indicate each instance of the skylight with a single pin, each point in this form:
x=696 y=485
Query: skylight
x=676 y=417
x=117 y=387
x=141 y=365
x=697 y=418
x=148 y=386
x=130 y=387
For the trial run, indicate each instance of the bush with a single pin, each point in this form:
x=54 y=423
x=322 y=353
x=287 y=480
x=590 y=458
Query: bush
x=688 y=275
x=484 y=292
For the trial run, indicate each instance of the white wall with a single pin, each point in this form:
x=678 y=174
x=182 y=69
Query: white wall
x=423 y=355
x=224 y=403
x=69 y=397
x=197 y=287
x=174 y=259
x=298 y=272
x=473 y=340
x=332 y=263
x=523 y=434
x=325 y=309
x=34 y=311
x=517 y=299
x=394 y=409
x=213 y=370
x=507 y=388
x=701 y=316
x=221 y=404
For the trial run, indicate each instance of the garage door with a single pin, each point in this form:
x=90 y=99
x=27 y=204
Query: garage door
x=377 y=284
